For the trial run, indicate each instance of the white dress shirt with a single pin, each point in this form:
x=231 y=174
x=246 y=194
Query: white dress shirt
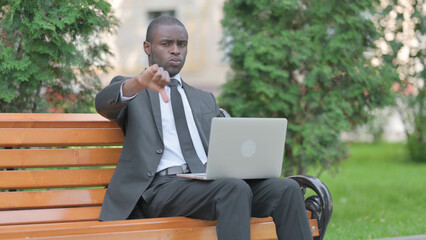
x=172 y=154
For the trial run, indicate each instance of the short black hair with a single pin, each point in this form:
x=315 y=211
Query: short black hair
x=161 y=20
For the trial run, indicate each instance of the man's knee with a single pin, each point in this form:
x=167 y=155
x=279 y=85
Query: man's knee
x=280 y=186
x=292 y=184
x=236 y=188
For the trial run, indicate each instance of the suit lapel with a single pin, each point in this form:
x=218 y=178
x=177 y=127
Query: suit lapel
x=193 y=101
x=156 y=111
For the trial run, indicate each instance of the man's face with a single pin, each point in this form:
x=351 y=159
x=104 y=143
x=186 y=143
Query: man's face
x=168 y=48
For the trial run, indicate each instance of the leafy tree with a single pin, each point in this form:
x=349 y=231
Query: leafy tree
x=404 y=46
x=307 y=61
x=51 y=53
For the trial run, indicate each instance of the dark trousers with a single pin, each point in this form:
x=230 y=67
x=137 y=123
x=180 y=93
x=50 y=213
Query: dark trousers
x=230 y=201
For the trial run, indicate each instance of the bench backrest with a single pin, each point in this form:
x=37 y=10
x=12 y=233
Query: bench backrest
x=55 y=167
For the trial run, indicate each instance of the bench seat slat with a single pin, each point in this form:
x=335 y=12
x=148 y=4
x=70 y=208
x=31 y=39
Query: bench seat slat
x=262 y=228
x=56 y=120
x=32 y=137
x=49 y=215
x=205 y=233
x=55 y=178
x=142 y=228
x=51 y=124
x=50 y=199
x=27 y=158
x=146 y=223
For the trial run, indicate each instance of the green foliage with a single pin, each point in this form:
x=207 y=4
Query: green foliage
x=405 y=25
x=304 y=60
x=51 y=53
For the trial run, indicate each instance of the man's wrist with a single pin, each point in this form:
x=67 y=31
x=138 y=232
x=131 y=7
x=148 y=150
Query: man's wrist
x=122 y=97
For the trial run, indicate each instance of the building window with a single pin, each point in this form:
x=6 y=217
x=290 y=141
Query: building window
x=154 y=14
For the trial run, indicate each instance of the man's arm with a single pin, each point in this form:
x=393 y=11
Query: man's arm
x=108 y=101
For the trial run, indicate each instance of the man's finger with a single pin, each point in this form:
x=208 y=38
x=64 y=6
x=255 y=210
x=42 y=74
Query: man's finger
x=164 y=95
x=166 y=78
x=154 y=68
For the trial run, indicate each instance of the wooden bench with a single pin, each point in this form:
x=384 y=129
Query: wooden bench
x=54 y=170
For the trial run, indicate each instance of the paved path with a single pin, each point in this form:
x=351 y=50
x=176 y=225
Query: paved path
x=416 y=237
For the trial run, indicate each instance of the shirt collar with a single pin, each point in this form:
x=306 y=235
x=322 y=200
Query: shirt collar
x=177 y=77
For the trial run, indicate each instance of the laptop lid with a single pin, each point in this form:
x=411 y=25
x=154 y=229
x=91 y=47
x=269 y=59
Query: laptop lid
x=246 y=148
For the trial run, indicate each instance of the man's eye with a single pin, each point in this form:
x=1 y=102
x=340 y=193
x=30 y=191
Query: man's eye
x=165 y=44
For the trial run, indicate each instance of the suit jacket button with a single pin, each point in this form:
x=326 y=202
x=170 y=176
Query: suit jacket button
x=159 y=151
x=150 y=174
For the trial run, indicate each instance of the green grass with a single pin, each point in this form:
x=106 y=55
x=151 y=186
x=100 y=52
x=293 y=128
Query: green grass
x=377 y=193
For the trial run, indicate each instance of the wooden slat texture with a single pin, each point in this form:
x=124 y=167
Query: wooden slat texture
x=55 y=178
x=54 y=120
x=166 y=234
x=175 y=227
x=27 y=158
x=49 y=215
x=262 y=228
x=314 y=227
x=143 y=224
x=153 y=224
x=27 y=137
x=50 y=199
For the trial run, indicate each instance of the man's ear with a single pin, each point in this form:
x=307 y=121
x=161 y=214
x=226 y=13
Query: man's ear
x=147 y=48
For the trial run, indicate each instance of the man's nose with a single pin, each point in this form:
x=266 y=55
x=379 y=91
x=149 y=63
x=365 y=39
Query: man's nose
x=175 y=49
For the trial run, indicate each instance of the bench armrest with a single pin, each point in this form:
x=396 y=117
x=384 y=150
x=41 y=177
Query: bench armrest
x=224 y=113
x=321 y=205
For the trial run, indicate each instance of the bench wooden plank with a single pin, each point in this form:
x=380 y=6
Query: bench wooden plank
x=33 y=137
x=205 y=233
x=146 y=224
x=53 y=198
x=55 y=178
x=261 y=228
x=27 y=158
x=142 y=228
x=49 y=215
x=314 y=227
x=56 y=120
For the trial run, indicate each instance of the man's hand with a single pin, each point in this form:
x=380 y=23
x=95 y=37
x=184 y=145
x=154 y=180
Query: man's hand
x=154 y=78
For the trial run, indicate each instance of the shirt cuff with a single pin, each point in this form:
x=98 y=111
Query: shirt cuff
x=123 y=98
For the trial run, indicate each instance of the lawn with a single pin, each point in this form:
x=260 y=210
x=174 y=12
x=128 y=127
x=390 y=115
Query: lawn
x=377 y=193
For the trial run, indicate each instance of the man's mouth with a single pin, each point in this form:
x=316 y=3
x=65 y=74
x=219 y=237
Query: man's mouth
x=175 y=61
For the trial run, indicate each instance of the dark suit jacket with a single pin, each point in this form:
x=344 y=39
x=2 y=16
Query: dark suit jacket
x=140 y=120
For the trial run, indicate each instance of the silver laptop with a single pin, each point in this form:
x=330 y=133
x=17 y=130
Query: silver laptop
x=245 y=148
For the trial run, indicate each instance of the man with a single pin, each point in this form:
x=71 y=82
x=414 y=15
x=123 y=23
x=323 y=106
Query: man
x=145 y=184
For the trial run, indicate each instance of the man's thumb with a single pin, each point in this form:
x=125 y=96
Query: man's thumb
x=164 y=95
